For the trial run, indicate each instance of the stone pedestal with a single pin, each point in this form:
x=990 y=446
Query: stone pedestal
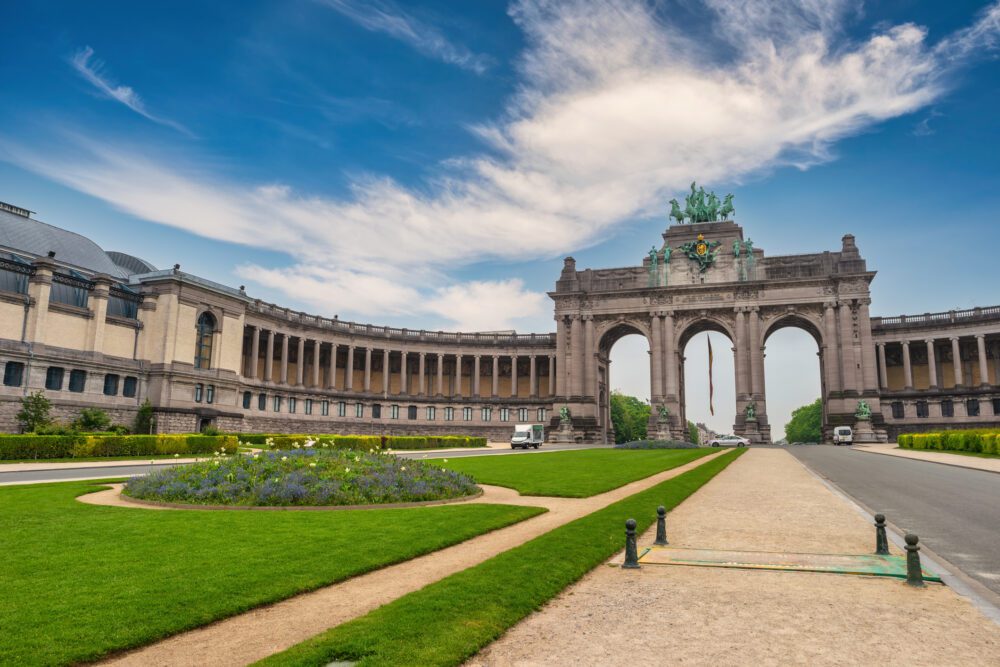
x=863 y=431
x=564 y=433
x=662 y=430
x=751 y=431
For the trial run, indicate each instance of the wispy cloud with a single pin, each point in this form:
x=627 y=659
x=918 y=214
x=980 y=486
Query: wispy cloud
x=385 y=17
x=93 y=70
x=614 y=115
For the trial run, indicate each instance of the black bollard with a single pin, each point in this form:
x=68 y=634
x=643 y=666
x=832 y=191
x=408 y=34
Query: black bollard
x=881 y=541
x=631 y=554
x=914 y=574
x=661 y=527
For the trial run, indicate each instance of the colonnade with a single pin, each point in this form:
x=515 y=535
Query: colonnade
x=936 y=378
x=417 y=372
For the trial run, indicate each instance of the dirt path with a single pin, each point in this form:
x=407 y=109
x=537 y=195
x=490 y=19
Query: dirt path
x=259 y=633
x=766 y=501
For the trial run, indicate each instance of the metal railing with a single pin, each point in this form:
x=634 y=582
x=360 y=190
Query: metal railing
x=987 y=313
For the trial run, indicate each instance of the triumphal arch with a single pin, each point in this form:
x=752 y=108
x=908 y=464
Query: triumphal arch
x=707 y=275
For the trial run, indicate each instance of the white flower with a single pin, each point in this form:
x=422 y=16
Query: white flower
x=403 y=468
x=357 y=459
x=446 y=460
x=312 y=465
x=347 y=470
x=256 y=456
x=310 y=442
x=284 y=458
x=176 y=456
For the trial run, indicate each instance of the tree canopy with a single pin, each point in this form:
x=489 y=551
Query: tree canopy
x=806 y=424
x=692 y=432
x=629 y=416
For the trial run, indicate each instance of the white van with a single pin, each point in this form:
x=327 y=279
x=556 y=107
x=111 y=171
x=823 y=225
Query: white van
x=843 y=435
x=527 y=435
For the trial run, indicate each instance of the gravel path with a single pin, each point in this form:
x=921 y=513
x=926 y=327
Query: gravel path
x=259 y=633
x=765 y=501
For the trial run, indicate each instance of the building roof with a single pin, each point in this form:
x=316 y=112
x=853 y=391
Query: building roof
x=36 y=238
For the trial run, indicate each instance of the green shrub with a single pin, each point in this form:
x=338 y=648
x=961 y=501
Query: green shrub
x=92 y=419
x=55 y=428
x=13 y=447
x=363 y=442
x=34 y=412
x=986 y=441
x=905 y=440
x=144 y=422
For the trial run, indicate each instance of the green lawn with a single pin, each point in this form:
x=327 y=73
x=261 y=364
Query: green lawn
x=79 y=581
x=447 y=622
x=573 y=474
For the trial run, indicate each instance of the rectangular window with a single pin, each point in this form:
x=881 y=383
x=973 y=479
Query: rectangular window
x=77 y=381
x=486 y=414
x=13 y=374
x=247 y=399
x=292 y=401
x=359 y=410
x=467 y=414
x=324 y=409
x=111 y=384
x=449 y=414
x=341 y=409
x=522 y=415
x=210 y=393
x=897 y=410
x=309 y=406
x=411 y=412
x=394 y=412
x=54 y=378
x=199 y=391
x=262 y=401
x=922 y=409
x=431 y=413
x=541 y=415
x=130 y=386
x=276 y=404
x=505 y=414
x=996 y=407
x=972 y=407
x=376 y=411
x=947 y=408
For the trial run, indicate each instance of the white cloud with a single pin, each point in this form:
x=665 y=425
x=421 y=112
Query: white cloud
x=93 y=71
x=383 y=16
x=617 y=111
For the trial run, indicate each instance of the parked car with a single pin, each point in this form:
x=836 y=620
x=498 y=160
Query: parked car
x=729 y=441
x=843 y=435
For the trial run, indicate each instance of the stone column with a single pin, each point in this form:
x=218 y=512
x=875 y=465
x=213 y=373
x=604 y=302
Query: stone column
x=386 y=371
x=907 y=370
x=576 y=347
x=742 y=356
x=669 y=356
x=589 y=358
x=984 y=370
x=956 y=362
x=404 y=375
x=756 y=357
x=831 y=353
x=39 y=293
x=931 y=364
x=440 y=375
x=884 y=380
x=368 y=370
x=421 y=369
x=331 y=372
x=495 y=389
x=866 y=342
x=254 y=353
x=532 y=377
x=300 y=366
x=561 y=387
x=655 y=360
x=552 y=375
x=457 y=390
x=316 y=347
x=848 y=364
x=98 y=304
x=284 y=358
x=269 y=359
x=513 y=376
x=349 y=369
x=475 y=378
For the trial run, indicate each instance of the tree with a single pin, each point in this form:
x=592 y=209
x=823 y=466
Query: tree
x=692 y=432
x=144 y=420
x=806 y=424
x=34 y=412
x=629 y=417
x=92 y=419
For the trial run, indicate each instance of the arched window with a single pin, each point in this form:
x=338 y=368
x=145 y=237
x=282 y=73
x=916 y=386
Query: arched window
x=203 y=343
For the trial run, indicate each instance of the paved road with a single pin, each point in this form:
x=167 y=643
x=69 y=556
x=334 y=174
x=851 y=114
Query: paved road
x=955 y=511
x=127 y=469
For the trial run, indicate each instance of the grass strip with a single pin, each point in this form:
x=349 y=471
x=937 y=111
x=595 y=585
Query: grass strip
x=447 y=622
x=573 y=474
x=78 y=582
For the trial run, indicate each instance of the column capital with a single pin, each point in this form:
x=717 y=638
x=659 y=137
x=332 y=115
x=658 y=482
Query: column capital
x=881 y=344
x=655 y=314
x=953 y=339
x=981 y=336
x=929 y=341
x=905 y=343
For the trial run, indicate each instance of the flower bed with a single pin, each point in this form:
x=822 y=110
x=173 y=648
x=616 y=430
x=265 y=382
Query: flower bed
x=302 y=477
x=982 y=441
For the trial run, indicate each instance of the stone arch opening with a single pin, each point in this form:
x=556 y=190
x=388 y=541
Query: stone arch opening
x=623 y=365
x=694 y=397
x=793 y=370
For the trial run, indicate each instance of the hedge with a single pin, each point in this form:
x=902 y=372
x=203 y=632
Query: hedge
x=288 y=441
x=984 y=441
x=15 y=447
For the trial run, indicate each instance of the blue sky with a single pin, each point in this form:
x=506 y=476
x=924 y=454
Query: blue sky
x=428 y=164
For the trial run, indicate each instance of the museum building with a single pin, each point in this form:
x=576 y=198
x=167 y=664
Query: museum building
x=92 y=328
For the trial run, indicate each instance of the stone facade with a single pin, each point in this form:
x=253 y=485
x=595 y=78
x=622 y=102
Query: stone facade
x=208 y=354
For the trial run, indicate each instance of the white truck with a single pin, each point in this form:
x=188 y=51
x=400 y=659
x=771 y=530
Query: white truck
x=842 y=435
x=527 y=435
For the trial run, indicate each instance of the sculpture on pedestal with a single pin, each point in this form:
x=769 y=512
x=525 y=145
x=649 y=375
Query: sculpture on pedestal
x=750 y=412
x=864 y=411
x=701 y=206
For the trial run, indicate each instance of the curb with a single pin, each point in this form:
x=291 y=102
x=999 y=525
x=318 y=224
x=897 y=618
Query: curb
x=913 y=458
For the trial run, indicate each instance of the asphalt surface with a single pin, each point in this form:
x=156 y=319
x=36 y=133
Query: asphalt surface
x=129 y=469
x=954 y=511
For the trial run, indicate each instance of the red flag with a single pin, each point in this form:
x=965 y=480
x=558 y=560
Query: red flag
x=711 y=389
